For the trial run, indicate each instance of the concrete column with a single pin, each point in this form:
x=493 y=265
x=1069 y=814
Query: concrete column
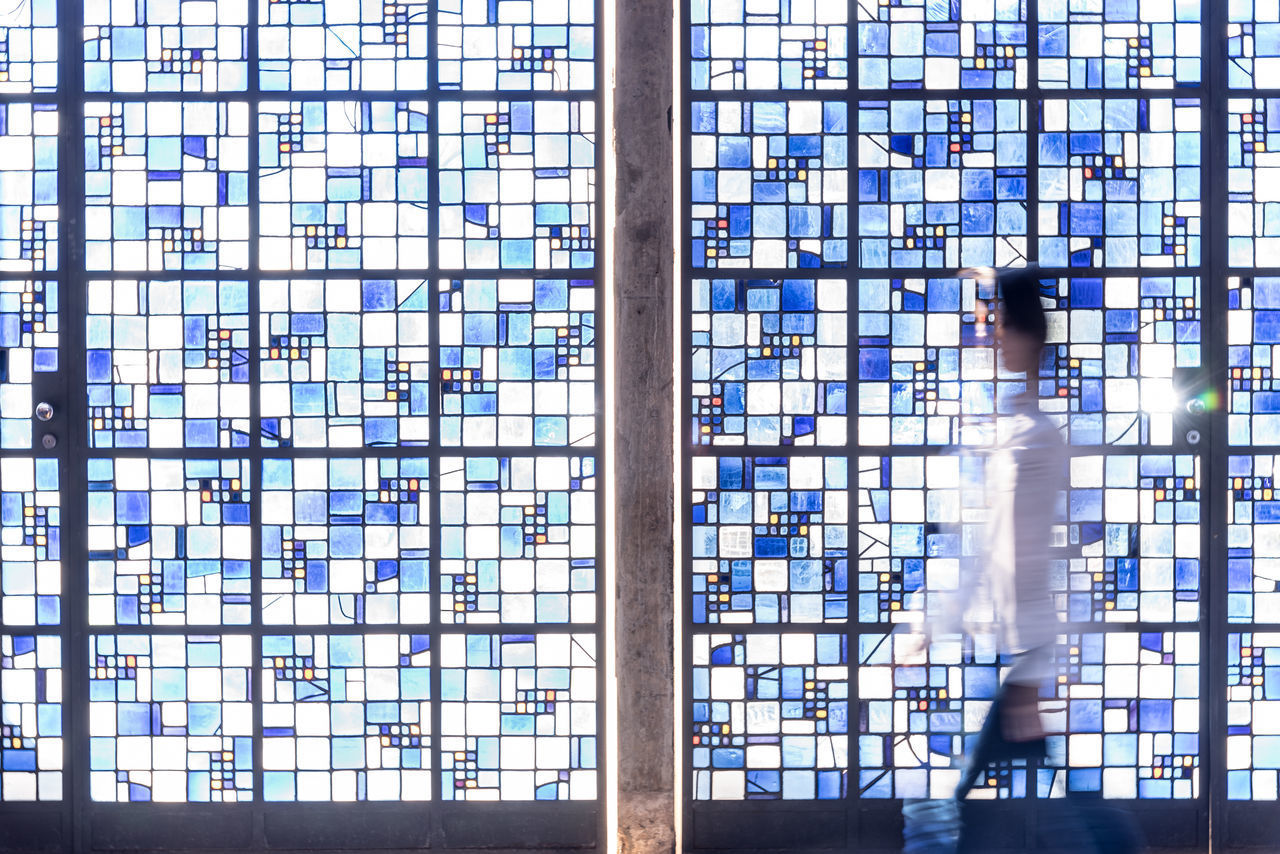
x=644 y=470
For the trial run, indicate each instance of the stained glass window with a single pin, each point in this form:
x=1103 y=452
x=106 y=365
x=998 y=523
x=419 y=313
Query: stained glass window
x=183 y=46
x=31 y=721
x=168 y=364
x=170 y=718
x=518 y=717
x=330 y=393
x=343 y=184
x=28 y=349
x=838 y=399
x=517 y=537
x=345 y=540
x=29 y=169
x=942 y=183
x=344 y=362
x=770 y=716
x=917 y=44
x=517 y=184
x=166 y=185
x=770 y=184
x=517 y=361
x=346 y=717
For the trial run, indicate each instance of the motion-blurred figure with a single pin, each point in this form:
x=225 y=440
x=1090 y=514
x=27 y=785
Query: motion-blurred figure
x=1023 y=478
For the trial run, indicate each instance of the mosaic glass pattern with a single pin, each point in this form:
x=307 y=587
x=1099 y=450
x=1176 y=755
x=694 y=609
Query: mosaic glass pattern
x=346 y=717
x=31 y=748
x=1120 y=351
x=914 y=44
x=770 y=539
x=28 y=348
x=1123 y=352
x=1253 y=539
x=344 y=363
x=1253 y=43
x=29 y=47
x=1130 y=705
x=942 y=183
x=30 y=544
x=183 y=46
x=1253 y=741
x=1119 y=182
x=343 y=184
x=166 y=185
x=1253 y=173
x=516 y=45
x=770 y=716
x=770 y=184
x=1128 y=548
x=776 y=44
x=168 y=364
x=345 y=540
x=915 y=713
x=169 y=542
x=170 y=718
x=769 y=361
x=518 y=539
x=909 y=532
x=29 y=175
x=517 y=361
x=518 y=717
x=1132 y=548
x=342 y=45
x=1253 y=339
x=517 y=184
x=1091 y=44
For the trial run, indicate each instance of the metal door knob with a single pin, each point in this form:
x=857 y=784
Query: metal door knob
x=44 y=411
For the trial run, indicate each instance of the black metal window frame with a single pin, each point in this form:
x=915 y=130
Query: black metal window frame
x=77 y=823
x=1207 y=822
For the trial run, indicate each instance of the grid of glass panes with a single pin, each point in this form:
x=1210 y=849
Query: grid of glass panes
x=340 y=281
x=34 y=656
x=843 y=162
x=1252 y=410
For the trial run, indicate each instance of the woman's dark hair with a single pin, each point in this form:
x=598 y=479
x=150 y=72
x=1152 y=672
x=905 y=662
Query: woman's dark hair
x=1020 y=306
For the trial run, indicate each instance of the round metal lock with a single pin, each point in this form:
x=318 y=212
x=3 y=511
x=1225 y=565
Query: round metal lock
x=48 y=440
x=44 y=411
x=1193 y=437
x=1196 y=406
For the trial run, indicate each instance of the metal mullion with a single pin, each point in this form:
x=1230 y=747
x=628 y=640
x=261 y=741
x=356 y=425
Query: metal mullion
x=461 y=95
x=73 y=473
x=1213 y=666
x=1072 y=451
x=604 y=362
x=852 y=449
x=730 y=95
x=1248 y=627
x=832 y=272
x=256 y=493
x=169 y=629
x=881 y=273
x=354 y=451
x=1180 y=93
x=39 y=96
x=682 y=345
x=202 y=97
x=818 y=273
x=463 y=273
x=1252 y=272
x=433 y=277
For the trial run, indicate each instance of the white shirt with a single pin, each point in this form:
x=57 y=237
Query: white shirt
x=1024 y=478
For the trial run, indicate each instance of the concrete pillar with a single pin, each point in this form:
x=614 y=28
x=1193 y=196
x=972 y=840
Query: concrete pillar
x=644 y=470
